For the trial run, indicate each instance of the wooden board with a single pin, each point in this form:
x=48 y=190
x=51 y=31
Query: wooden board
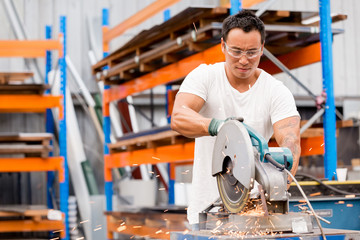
x=192 y=31
x=149 y=140
x=10 y=77
x=25 y=137
x=23 y=88
x=30 y=144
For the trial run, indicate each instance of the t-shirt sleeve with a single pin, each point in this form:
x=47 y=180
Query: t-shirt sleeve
x=282 y=104
x=197 y=82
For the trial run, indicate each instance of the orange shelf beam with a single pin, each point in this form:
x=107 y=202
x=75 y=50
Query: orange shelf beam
x=32 y=226
x=178 y=70
x=137 y=18
x=164 y=75
x=29 y=103
x=171 y=153
x=309 y=146
x=302 y=57
x=33 y=164
x=150 y=11
x=28 y=48
x=245 y=3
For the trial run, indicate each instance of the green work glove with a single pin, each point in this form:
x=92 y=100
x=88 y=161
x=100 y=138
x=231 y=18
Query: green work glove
x=216 y=124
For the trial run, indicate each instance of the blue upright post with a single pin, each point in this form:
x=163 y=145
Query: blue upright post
x=171 y=189
x=236 y=6
x=49 y=120
x=328 y=86
x=106 y=121
x=64 y=180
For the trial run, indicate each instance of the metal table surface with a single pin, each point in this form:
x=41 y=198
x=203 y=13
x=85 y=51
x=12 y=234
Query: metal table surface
x=331 y=234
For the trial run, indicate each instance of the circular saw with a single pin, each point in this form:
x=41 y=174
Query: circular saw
x=241 y=157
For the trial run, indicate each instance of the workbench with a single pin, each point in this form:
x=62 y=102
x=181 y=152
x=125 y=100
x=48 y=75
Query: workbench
x=331 y=234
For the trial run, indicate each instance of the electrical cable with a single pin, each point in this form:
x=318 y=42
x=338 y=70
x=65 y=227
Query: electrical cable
x=308 y=203
x=326 y=185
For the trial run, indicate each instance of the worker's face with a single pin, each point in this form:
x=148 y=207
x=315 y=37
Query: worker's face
x=242 y=53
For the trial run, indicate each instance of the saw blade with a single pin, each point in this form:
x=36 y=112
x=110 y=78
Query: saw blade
x=233 y=165
x=233 y=194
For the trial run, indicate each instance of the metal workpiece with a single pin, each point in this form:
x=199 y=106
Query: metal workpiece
x=220 y=224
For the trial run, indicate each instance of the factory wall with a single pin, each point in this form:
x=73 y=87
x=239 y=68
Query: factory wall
x=35 y=14
x=85 y=15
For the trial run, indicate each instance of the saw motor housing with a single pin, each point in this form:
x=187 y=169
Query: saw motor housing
x=240 y=157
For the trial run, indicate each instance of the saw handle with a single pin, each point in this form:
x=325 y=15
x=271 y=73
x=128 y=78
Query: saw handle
x=273 y=162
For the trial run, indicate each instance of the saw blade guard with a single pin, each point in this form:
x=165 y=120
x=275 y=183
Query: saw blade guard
x=233 y=142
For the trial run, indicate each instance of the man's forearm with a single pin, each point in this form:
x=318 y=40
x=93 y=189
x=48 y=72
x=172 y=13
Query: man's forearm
x=190 y=123
x=292 y=142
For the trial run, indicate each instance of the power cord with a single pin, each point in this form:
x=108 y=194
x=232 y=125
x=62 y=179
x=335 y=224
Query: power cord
x=326 y=185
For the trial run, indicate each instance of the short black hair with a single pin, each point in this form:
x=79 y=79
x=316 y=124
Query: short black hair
x=245 y=20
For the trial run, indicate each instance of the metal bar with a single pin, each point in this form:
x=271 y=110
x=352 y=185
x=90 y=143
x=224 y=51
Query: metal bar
x=181 y=68
x=317 y=115
x=137 y=18
x=34 y=164
x=304 y=56
x=286 y=70
x=164 y=75
x=106 y=121
x=64 y=185
x=264 y=7
x=330 y=158
x=166 y=172
x=137 y=109
x=33 y=102
x=31 y=44
x=49 y=123
x=236 y=6
x=299 y=29
x=245 y=3
x=38 y=225
x=152 y=107
x=164 y=154
x=20 y=33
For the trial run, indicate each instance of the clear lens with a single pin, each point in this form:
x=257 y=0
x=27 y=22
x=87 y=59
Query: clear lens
x=238 y=53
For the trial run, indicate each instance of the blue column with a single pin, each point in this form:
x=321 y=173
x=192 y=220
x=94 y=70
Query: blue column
x=236 y=6
x=106 y=121
x=328 y=86
x=171 y=186
x=64 y=185
x=49 y=120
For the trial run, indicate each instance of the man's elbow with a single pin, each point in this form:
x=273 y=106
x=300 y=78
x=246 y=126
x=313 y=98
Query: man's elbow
x=174 y=122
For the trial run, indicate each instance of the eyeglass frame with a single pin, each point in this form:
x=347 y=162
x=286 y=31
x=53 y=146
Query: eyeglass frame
x=242 y=53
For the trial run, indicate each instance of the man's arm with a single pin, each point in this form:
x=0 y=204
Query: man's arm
x=287 y=134
x=185 y=118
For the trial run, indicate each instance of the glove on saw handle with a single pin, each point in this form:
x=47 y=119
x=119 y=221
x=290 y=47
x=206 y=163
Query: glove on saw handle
x=216 y=124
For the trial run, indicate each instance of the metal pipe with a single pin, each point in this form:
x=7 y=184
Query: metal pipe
x=20 y=34
x=312 y=120
x=264 y=7
x=64 y=185
x=330 y=158
x=236 y=6
x=287 y=71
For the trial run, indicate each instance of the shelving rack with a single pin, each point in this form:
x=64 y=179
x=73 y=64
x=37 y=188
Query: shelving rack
x=39 y=103
x=126 y=84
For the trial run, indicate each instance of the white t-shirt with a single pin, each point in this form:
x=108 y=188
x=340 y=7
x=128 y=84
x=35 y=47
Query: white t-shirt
x=265 y=103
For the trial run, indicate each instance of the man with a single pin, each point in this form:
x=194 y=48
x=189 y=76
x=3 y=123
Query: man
x=234 y=88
